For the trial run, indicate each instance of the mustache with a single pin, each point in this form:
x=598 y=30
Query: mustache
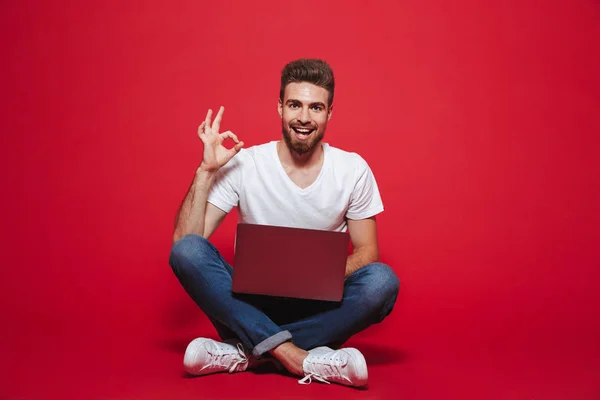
x=311 y=125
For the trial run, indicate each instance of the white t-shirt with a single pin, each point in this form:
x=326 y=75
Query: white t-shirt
x=254 y=180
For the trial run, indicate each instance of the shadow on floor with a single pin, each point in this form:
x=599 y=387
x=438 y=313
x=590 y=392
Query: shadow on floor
x=375 y=354
x=380 y=354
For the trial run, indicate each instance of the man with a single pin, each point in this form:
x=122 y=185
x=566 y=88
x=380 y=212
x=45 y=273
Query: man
x=298 y=182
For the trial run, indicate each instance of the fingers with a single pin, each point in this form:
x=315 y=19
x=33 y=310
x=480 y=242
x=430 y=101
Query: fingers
x=229 y=135
x=207 y=120
x=217 y=123
x=235 y=149
x=201 y=129
x=238 y=147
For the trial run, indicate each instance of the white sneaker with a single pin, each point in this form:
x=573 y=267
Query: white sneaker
x=206 y=356
x=346 y=366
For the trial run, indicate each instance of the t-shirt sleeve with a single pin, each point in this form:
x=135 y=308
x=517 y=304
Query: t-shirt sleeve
x=365 y=200
x=225 y=191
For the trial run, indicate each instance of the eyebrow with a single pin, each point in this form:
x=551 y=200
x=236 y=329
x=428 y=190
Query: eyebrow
x=294 y=101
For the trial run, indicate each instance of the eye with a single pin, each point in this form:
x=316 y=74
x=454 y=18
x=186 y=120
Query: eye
x=293 y=105
x=317 y=108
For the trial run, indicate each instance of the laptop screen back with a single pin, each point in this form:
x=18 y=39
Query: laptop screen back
x=290 y=262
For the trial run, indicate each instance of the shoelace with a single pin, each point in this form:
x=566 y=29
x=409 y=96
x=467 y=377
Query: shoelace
x=221 y=358
x=335 y=369
x=243 y=359
x=308 y=379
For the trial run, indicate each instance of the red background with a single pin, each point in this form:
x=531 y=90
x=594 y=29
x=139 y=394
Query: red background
x=480 y=121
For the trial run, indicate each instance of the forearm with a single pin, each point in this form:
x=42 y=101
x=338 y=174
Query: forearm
x=359 y=258
x=191 y=215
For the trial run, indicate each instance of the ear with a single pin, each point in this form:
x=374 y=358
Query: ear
x=329 y=112
x=280 y=108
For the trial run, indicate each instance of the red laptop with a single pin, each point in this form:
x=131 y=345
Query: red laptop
x=290 y=262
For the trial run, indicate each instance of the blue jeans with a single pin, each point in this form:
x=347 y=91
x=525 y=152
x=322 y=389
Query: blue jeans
x=262 y=323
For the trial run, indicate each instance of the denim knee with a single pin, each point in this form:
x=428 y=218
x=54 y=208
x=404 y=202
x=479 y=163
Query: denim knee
x=188 y=248
x=380 y=288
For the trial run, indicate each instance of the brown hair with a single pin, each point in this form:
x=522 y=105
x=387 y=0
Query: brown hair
x=311 y=70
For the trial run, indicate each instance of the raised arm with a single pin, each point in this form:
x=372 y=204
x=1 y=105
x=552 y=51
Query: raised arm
x=196 y=215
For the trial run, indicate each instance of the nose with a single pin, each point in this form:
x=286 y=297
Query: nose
x=304 y=116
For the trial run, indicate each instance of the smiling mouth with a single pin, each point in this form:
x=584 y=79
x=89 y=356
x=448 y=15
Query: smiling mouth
x=303 y=131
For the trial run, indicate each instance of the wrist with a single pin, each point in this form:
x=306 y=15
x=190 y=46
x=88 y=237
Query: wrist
x=204 y=177
x=206 y=169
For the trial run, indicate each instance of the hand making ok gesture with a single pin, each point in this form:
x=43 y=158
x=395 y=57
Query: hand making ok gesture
x=215 y=154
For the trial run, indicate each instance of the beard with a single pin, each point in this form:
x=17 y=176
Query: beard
x=301 y=147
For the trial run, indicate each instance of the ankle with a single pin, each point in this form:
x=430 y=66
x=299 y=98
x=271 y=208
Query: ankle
x=291 y=357
x=288 y=350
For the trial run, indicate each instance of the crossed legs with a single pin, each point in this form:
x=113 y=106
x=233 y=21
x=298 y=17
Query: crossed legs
x=285 y=331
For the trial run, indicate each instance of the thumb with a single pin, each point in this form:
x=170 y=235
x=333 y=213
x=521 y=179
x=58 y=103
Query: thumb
x=236 y=149
x=233 y=151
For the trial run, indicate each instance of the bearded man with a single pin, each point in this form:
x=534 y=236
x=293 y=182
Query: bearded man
x=302 y=182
